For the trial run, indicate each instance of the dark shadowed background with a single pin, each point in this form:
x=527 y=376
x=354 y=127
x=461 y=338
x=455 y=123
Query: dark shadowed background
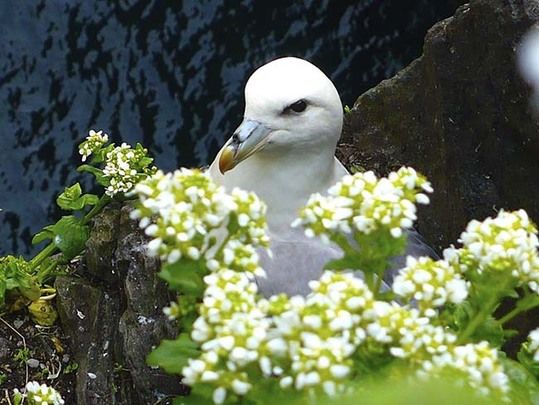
x=167 y=74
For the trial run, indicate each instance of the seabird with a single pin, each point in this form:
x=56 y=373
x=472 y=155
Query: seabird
x=284 y=151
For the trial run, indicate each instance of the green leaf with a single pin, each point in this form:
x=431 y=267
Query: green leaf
x=15 y=277
x=70 y=236
x=172 y=355
x=72 y=199
x=184 y=276
x=186 y=321
x=70 y=194
x=100 y=155
x=491 y=331
x=201 y=394
x=193 y=399
x=29 y=288
x=98 y=174
x=527 y=361
x=145 y=162
x=43 y=235
x=351 y=262
x=370 y=253
x=524 y=386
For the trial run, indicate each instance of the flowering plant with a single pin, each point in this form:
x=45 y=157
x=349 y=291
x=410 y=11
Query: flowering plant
x=436 y=322
x=117 y=169
x=37 y=394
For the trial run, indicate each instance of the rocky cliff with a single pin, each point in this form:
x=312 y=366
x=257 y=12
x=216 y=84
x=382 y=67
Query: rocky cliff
x=460 y=115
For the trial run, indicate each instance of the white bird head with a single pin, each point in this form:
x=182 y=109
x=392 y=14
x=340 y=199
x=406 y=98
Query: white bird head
x=290 y=105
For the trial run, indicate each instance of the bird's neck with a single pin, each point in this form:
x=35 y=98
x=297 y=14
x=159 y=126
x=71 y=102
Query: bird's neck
x=285 y=180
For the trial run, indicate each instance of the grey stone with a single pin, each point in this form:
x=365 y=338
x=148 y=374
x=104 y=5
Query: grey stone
x=32 y=363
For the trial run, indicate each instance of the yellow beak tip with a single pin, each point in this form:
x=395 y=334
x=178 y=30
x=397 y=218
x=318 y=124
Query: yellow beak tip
x=226 y=160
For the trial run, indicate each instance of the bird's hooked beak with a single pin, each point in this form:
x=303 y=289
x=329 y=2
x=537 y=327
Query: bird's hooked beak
x=248 y=138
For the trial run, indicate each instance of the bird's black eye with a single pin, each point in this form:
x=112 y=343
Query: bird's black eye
x=298 y=106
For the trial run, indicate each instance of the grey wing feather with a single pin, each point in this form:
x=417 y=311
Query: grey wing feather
x=416 y=247
x=297 y=261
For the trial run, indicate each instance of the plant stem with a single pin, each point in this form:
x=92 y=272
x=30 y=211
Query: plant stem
x=369 y=279
x=377 y=285
x=45 y=253
x=510 y=315
x=343 y=243
x=514 y=312
x=96 y=209
x=486 y=309
x=51 y=247
x=44 y=273
x=478 y=319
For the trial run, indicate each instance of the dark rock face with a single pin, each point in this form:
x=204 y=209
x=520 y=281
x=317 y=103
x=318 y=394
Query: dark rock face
x=460 y=115
x=113 y=315
x=143 y=324
x=88 y=317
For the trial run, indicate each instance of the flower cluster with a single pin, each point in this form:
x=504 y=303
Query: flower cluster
x=123 y=168
x=408 y=333
x=37 y=394
x=230 y=330
x=94 y=141
x=236 y=255
x=478 y=362
x=507 y=243
x=316 y=336
x=250 y=216
x=365 y=203
x=315 y=344
x=193 y=214
x=306 y=342
x=430 y=283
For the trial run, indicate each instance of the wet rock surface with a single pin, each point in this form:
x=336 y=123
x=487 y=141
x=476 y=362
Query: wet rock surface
x=112 y=312
x=460 y=115
x=167 y=74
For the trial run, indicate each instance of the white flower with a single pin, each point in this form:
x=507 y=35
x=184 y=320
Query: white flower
x=230 y=329
x=173 y=311
x=94 y=140
x=219 y=395
x=364 y=203
x=431 y=283
x=478 y=361
x=42 y=394
x=506 y=243
x=406 y=331
x=124 y=168
x=533 y=344
x=188 y=216
x=319 y=333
